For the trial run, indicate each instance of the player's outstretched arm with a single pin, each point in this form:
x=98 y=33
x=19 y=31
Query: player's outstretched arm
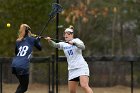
x=52 y=43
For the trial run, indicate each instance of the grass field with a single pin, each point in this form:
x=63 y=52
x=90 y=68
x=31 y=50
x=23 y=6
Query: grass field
x=40 y=88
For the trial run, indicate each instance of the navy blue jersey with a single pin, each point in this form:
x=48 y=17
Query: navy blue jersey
x=23 y=52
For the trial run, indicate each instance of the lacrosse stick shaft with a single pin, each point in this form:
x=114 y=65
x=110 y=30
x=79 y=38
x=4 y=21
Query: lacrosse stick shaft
x=34 y=35
x=45 y=26
x=56 y=9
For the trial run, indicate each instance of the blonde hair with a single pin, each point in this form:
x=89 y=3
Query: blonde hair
x=23 y=30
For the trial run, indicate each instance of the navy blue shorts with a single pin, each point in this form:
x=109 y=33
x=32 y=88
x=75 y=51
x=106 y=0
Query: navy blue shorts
x=20 y=71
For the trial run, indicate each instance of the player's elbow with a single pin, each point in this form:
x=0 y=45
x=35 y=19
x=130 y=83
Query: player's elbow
x=40 y=48
x=83 y=47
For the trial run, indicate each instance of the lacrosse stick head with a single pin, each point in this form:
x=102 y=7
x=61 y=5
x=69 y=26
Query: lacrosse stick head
x=56 y=8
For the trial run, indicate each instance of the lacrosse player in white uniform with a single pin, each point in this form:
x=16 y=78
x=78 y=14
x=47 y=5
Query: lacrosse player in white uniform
x=77 y=66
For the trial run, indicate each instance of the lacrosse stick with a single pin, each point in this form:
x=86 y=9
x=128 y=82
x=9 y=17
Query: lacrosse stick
x=56 y=8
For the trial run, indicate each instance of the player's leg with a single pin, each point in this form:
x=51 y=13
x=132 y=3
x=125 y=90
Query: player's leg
x=24 y=81
x=72 y=84
x=84 y=80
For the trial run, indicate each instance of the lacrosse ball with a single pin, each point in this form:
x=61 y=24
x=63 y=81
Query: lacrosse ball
x=8 y=24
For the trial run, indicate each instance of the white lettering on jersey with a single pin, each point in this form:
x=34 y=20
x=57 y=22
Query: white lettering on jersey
x=22 y=50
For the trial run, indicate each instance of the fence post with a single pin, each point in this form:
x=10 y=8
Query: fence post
x=57 y=37
x=132 y=79
x=0 y=77
x=51 y=73
x=53 y=60
x=49 y=79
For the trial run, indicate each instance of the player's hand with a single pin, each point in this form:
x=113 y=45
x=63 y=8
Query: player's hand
x=38 y=38
x=47 y=38
x=70 y=42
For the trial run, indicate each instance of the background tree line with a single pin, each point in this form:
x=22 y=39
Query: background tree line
x=110 y=27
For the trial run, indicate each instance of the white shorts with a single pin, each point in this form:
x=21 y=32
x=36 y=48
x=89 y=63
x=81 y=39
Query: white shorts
x=73 y=73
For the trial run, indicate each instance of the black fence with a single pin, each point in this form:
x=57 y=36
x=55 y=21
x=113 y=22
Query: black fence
x=106 y=71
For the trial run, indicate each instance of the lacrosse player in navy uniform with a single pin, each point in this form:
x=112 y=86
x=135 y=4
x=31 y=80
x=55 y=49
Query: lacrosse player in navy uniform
x=21 y=62
x=77 y=66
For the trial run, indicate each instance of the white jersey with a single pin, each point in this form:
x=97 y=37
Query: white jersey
x=73 y=54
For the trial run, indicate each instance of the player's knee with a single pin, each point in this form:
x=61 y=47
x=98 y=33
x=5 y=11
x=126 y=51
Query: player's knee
x=84 y=86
